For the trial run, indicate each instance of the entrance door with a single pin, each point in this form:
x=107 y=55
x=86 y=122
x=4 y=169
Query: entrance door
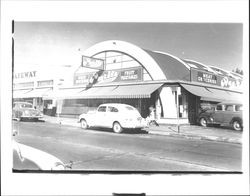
x=193 y=103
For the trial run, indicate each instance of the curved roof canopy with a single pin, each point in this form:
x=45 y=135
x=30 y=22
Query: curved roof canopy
x=159 y=65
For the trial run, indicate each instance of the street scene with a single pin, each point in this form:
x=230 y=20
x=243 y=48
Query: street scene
x=145 y=150
x=88 y=100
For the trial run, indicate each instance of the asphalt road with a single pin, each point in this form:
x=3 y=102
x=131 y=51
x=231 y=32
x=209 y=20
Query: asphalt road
x=103 y=150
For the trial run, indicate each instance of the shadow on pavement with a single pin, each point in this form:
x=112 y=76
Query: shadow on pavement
x=126 y=131
x=29 y=120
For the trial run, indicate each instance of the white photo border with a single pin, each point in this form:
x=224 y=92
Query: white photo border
x=226 y=11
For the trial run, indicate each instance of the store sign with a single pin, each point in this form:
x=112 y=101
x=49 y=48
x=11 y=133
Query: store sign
x=93 y=63
x=28 y=74
x=108 y=76
x=218 y=80
x=206 y=78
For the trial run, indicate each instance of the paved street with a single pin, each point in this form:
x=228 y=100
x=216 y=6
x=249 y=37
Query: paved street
x=104 y=150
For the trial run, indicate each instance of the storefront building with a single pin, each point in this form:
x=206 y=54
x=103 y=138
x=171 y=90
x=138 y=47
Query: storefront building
x=33 y=83
x=120 y=72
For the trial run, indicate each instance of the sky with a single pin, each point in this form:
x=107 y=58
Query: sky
x=61 y=43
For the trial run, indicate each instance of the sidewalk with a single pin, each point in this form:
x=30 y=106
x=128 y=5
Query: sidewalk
x=187 y=131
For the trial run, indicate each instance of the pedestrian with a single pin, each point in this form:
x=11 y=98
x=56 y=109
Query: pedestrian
x=151 y=120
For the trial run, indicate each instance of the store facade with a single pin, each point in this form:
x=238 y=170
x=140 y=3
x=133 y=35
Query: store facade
x=120 y=72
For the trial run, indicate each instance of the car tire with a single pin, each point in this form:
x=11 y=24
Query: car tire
x=203 y=122
x=237 y=125
x=84 y=124
x=117 y=128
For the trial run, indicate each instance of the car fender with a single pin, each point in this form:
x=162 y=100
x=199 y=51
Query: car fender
x=236 y=118
x=43 y=160
x=88 y=118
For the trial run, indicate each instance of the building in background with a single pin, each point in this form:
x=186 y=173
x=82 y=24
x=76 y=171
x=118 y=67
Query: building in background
x=120 y=72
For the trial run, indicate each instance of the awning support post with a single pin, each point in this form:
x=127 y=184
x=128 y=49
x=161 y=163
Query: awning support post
x=177 y=109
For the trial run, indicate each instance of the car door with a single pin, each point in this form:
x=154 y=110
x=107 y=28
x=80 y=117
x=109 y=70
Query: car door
x=100 y=116
x=228 y=114
x=112 y=115
x=219 y=114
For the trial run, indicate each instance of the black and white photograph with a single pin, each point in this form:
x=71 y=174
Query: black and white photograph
x=116 y=97
x=127 y=97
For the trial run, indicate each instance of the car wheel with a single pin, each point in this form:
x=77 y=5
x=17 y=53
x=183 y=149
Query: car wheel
x=203 y=122
x=117 y=128
x=237 y=125
x=84 y=124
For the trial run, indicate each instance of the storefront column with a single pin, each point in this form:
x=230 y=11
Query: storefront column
x=34 y=102
x=158 y=108
x=167 y=96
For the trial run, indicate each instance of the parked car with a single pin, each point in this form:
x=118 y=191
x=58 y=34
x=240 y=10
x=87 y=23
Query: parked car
x=224 y=113
x=29 y=158
x=115 y=116
x=25 y=110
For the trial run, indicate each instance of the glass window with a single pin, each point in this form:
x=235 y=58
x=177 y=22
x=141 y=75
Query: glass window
x=127 y=64
x=112 y=109
x=219 y=107
x=45 y=83
x=129 y=108
x=23 y=85
x=26 y=105
x=229 y=108
x=102 y=109
x=238 y=108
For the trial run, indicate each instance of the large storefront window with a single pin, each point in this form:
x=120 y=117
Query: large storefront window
x=23 y=85
x=79 y=106
x=118 y=60
x=44 y=83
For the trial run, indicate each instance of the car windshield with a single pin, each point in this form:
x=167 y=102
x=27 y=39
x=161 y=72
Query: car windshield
x=25 y=105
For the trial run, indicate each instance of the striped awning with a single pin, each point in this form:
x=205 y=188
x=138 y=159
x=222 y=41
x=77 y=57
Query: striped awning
x=106 y=92
x=20 y=93
x=117 y=92
x=37 y=93
x=72 y=93
x=212 y=94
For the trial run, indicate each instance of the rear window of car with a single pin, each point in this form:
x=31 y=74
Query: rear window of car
x=238 y=108
x=129 y=108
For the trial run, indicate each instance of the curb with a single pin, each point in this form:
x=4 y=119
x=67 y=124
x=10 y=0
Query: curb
x=190 y=136
x=158 y=132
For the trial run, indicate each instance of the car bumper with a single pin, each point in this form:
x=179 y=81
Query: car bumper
x=31 y=117
x=134 y=125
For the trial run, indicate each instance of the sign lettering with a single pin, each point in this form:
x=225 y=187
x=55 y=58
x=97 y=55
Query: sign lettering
x=210 y=78
x=30 y=74
x=108 y=76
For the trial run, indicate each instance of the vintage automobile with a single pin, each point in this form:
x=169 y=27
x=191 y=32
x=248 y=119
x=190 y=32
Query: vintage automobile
x=225 y=113
x=115 y=116
x=29 y=158
x=25 y=110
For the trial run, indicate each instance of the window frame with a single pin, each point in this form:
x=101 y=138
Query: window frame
x=105 y=109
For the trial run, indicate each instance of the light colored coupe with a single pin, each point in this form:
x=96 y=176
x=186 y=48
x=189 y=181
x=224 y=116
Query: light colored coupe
x=115 y=116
